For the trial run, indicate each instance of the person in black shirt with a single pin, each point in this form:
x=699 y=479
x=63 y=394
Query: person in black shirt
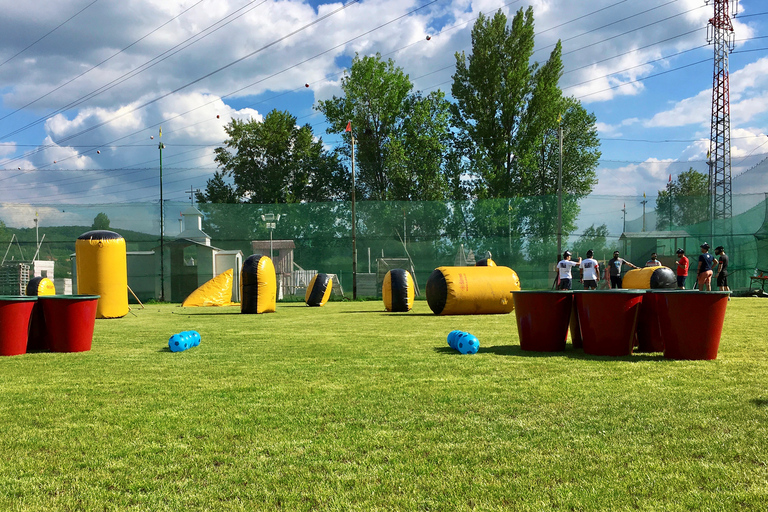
x=704 y=270
x=722 y=269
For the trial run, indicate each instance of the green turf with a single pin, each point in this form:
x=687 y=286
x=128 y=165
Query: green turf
x=346 y=407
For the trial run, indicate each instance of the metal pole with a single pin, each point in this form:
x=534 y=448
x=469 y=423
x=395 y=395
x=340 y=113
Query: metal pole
x=270 y=242
x=354 y=221
x=162 y=222
x=560 y=192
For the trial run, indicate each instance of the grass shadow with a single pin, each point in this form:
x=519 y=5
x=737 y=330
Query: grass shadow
x=515 y=350
x=760 y=402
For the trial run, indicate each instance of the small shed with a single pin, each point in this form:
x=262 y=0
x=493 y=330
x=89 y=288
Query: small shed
x=637 y=247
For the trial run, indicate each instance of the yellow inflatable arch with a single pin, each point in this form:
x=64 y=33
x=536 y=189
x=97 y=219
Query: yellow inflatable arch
x=258 y=285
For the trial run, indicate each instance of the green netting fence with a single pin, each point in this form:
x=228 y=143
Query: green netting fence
x=521 y=233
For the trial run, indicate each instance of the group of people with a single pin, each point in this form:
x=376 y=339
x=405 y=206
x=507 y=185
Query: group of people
x=589 y=269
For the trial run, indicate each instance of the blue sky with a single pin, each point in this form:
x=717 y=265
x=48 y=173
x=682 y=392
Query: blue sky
x=76 y=124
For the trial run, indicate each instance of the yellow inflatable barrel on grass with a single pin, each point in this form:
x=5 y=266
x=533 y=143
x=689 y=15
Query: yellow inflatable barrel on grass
x=471 y=290
x=398 y=291
x=258 y=285
x=649 y=278
x=319 y=290
x=102 y=270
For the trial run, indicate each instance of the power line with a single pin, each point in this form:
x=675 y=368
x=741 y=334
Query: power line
x=138 y=70
x=100 y=63
x=199 y=79
x=47 y=34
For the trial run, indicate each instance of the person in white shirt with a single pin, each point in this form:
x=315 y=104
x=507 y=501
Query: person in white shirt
x=590 y=272
x=564 y=269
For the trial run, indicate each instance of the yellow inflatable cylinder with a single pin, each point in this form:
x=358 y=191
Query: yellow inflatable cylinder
x=40 y=286
x=319 y=290
x=398 y=291
x=258 y=285
x=102 y=270
x=649 y=278
x=471 y=290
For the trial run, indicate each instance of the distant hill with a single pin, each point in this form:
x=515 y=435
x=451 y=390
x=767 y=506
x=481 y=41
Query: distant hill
x=59 y=244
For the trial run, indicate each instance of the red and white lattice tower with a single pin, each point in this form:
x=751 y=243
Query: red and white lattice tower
x=720 y=32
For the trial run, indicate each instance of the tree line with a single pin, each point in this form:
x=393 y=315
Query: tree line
x=488 y=157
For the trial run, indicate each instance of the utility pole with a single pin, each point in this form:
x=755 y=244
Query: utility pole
x=560 y=188
x=643 y=202
x=354 y=219
x=624 y=228
x=191 y=193
x=720 y=32
x=160 y=146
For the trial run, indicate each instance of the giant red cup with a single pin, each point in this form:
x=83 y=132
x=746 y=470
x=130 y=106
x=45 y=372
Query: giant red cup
x=608 y=319
x=649 y=336
x=691 y=323
x=542 y=319
x=69 y=321
x=574 y=328
x=15 y=313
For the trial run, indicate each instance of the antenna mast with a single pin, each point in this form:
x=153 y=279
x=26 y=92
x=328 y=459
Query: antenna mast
x=720 y=32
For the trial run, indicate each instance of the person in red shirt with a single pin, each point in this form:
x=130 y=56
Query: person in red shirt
x=682 y=269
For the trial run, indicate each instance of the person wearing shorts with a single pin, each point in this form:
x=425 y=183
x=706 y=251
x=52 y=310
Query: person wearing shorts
x=614 y=269
x=704 y=271
x=564 y=268
x=590 y=271
x=722 y=269
x=682 y=269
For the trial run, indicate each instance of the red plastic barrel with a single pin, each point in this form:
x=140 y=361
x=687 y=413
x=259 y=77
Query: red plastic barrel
x=608 y=319
x=691 y=323
x=69 y=320
x=649 y=335
x=15 y=313
x=542 y=319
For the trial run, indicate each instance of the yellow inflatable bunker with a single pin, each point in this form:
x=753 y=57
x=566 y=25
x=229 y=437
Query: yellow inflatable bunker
x=471 y=290
x=398 y=290
x=485 y=262
x=649 y=278
x=40 y=286
x=214 y=292
x=319 y=290
x=102 y=270
x=258 y=285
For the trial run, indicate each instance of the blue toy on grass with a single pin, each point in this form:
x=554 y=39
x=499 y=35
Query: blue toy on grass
x=183 y=340
x=463 y=342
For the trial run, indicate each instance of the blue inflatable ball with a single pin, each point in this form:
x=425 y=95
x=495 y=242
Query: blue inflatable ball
x=453 y=338
x=193 y=337
x=178 y=343
x=468 y=344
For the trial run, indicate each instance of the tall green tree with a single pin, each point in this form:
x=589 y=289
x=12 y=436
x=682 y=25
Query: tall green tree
x=101 y=221
x=401 y=137
x=507 y=114
x=684 y=201
x=275 y=161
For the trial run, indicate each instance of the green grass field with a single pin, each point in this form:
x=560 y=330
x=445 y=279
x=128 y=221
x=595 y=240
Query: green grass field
x=346 y=407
